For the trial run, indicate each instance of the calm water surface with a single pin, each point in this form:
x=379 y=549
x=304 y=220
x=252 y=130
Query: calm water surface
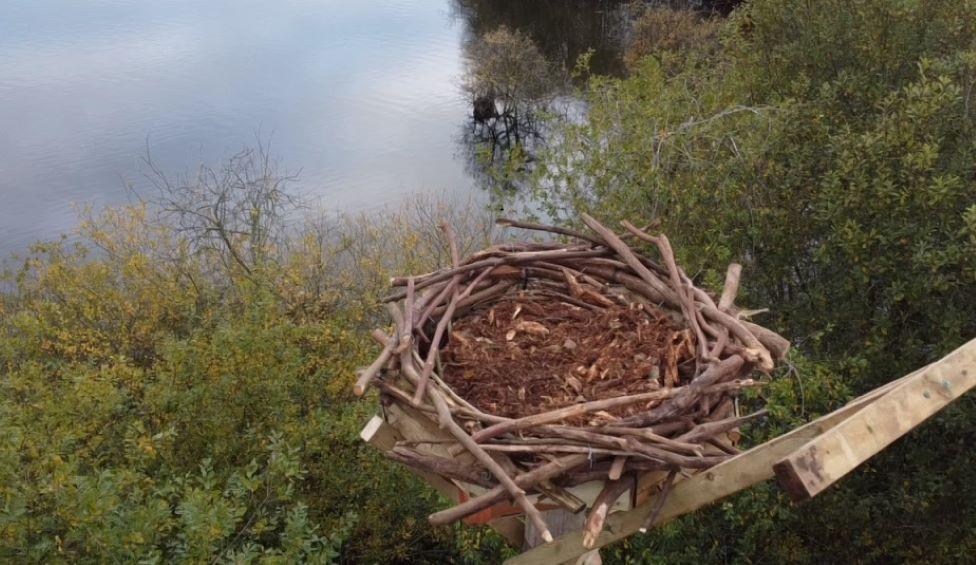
x=362 y=96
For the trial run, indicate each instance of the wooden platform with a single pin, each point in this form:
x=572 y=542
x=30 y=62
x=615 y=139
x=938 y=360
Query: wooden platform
x=806 y=461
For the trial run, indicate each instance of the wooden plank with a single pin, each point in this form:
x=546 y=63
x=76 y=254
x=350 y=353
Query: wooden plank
x=511 y=528
x=383 y=436
x=379 y=434
x=414 y=425
x=729 y=477
x=821 y=462
x=569 y=501
x=561 y=521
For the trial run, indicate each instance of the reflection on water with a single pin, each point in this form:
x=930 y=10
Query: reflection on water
x=510 y=84
x=563 y=29
x=363 y=97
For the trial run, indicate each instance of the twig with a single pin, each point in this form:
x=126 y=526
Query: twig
x=662 y=497
x=370 y=372
x=481 y=455
x=601 y=507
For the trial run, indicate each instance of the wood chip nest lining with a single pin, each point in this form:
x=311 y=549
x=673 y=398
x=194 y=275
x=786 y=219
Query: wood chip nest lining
x=563 y=363
x=530 y=352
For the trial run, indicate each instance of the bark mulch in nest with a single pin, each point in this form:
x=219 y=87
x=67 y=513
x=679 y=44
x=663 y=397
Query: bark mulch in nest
x=526 y=355
x=551 y=364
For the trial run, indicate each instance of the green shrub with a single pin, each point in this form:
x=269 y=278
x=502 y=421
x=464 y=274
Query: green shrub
x=156 y=408
x=829 y=147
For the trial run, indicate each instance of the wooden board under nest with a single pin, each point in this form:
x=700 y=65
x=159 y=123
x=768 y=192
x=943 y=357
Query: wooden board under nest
x=531 y=353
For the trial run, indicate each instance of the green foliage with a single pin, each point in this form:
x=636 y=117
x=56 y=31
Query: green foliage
x=673 y=37
x=157 y=405
x=829 y=146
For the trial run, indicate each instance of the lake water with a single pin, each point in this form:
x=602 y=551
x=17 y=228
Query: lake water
x=361 y=96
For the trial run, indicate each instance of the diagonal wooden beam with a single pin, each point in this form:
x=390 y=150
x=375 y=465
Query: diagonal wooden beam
x=822 y=461
x=898 y=406
x=740 y=472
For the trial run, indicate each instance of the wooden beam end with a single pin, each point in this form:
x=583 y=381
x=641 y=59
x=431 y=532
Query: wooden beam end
x=789 y=480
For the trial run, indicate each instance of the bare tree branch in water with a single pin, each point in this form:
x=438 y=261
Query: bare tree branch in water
x=508 y=82
x=510 y=86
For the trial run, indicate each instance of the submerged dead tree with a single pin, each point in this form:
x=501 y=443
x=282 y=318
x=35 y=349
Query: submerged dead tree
x=510 y=85
x=553 y=364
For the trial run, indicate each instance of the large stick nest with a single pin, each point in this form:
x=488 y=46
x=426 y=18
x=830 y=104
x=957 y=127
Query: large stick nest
x=552 y=364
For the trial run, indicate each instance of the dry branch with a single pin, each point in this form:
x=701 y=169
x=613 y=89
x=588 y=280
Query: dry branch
x=601 y=507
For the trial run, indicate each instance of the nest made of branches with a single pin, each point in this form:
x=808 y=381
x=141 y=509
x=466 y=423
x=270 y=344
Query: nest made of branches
x=553 y=364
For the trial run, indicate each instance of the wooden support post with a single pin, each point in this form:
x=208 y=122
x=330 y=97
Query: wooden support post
x=825 y=459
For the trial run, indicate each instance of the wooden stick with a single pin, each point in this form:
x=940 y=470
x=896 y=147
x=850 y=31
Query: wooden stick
x=525 y=480
x=569 y=412
x=505 y=222
x=449 y=288
x=406 y=332
x=435 y=342
x=731 y=287
x=687 y=394
x=601 y=507
x=617 y=468
x=611 y=263
x=687 y=302
x=657 y=430
x=568 y=299
x=591 y=436
x=442 y=466
x=664 y=442
x=762 y=355
x=662 y=497
x=600 y=471
x=476 y=298
x=558 y=268
x=722 y=410
x=435 y=302
x=625 y=253
x=775 y=343
x=722 y=446
x=370 y=372
x=561 y=496
x=550 y=448
x=447 y=422
x=674 y=459
x=707 y=430
x=379 y=336
x=510 y=259
x=635 y=284
x=720 y=343
x=451 y=242
x=401 y=395
x=758 y=352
